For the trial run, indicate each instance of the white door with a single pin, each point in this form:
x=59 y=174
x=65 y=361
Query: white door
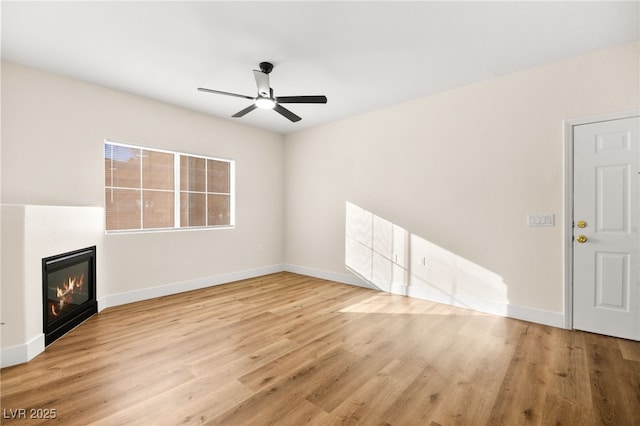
x=606 y=275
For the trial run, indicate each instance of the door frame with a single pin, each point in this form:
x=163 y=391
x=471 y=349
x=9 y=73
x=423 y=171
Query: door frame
x=567 y=221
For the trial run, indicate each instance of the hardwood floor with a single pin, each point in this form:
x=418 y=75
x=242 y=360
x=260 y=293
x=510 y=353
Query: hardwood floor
x=288 y=349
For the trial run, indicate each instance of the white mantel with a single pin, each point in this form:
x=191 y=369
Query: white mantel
x=29 y=234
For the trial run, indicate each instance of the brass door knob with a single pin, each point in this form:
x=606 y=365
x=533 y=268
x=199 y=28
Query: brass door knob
x=582 y=224
x=581 y=239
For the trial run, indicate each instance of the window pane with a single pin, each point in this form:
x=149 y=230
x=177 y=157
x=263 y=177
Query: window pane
x=184 y=173
x=122 y=209
x=193 y=209
x=197 y=173
x=121 y=166
x=192 y=173
x=218 y=176
x=108 y=175
x=157 y=170
x=158 y=209
x=218 y=213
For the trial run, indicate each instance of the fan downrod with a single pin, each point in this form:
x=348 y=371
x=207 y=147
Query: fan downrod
x=266 y=67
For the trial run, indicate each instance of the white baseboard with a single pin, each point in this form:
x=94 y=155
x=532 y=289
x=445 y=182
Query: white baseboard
x=180 y=287
x=490 y=307
x=22 y=353
x=538 y=316
x=327 y=275
x=174 y=288
x=19 y=354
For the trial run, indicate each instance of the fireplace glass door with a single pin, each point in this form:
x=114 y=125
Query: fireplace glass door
x=67 y=290
x=69 y=287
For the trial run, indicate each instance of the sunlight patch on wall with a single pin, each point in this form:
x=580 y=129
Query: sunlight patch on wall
x=391 y=259
x=376 y=249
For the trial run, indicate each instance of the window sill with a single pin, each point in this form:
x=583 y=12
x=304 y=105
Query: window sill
x=164 y=230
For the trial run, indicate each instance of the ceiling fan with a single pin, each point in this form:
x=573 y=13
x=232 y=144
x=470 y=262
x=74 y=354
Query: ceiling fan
x=265 y=98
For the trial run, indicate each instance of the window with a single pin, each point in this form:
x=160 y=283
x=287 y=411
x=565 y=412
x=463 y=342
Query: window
x=153 y=189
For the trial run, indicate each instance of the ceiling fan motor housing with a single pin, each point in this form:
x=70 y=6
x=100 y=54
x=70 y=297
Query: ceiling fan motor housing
x=266 y=67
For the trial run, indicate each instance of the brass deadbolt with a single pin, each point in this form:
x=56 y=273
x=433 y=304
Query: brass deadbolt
x=582 y=224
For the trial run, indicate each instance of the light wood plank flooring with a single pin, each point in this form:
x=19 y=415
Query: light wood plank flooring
x=287 y=349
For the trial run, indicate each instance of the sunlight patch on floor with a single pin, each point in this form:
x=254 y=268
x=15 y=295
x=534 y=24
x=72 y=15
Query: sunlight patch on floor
x=387 y=303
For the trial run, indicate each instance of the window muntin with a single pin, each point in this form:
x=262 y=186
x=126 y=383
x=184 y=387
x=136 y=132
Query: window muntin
x=147 y=189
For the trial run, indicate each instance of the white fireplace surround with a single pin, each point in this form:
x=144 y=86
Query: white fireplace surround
x=29 y=234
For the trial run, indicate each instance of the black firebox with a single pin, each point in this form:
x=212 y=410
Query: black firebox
x=68 y=290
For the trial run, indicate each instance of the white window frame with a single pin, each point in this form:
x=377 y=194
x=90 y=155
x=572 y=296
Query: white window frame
x=177 y=191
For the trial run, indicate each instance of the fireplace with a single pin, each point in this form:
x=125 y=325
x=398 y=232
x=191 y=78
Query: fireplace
x=69 y=291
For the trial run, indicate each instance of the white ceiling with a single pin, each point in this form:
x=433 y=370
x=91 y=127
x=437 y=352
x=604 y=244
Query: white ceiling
x=361 y=55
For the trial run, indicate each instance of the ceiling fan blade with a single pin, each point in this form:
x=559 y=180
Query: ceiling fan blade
x=245 y=111
x=301 y=99
x=202 y=89
x=286 y=113
x=262 y=81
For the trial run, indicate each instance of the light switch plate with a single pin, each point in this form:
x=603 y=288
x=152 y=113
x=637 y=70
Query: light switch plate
x=541 y=220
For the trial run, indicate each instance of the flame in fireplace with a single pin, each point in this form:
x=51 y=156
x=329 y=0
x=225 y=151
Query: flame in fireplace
x=65 y=293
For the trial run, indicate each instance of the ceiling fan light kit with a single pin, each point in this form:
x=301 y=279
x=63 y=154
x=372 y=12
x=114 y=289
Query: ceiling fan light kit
x=265 y=103
x=265 y=98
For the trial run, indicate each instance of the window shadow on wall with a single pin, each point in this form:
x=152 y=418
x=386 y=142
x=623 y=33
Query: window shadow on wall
x=392 y=259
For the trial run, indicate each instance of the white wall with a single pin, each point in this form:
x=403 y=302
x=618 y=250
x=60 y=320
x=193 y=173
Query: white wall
x=53 y=129
x=460 y=169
